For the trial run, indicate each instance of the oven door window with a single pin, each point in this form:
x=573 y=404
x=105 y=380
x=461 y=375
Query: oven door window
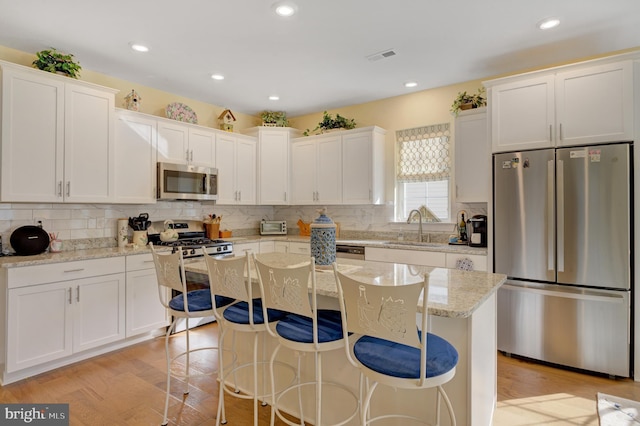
x=177 y=182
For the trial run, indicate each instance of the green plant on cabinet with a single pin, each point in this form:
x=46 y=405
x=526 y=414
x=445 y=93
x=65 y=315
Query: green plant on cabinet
x=53 y=61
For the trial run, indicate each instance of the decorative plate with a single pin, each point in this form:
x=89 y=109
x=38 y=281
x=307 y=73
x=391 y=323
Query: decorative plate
x=181 y=112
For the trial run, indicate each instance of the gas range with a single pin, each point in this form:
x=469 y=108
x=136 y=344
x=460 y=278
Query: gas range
x=191 y=239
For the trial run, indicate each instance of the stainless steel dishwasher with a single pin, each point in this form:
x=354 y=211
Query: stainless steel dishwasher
x=345 y=251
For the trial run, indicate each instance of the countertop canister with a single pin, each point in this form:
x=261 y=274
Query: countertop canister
x=123 y=230
x=323 y=239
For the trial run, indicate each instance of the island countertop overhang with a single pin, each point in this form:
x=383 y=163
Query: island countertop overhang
x=452 y=293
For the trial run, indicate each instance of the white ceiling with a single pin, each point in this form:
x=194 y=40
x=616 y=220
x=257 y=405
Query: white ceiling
x=317 y=59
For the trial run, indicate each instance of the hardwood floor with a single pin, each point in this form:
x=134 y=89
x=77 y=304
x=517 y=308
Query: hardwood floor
x=126 y=387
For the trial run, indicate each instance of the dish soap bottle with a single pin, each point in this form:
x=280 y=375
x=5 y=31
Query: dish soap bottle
x=463 y=229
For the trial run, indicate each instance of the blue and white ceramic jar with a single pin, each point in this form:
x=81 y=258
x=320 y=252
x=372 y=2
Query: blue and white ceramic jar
x=323 y=239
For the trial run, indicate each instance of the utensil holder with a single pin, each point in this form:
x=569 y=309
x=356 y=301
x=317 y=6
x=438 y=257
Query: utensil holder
x=140 y=238
x=212 y=230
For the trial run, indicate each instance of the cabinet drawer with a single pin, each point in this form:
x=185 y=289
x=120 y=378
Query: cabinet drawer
x=409 y=257
x=39 y=274
x=139 y=261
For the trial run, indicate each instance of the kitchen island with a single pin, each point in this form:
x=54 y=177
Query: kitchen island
x=462 y=305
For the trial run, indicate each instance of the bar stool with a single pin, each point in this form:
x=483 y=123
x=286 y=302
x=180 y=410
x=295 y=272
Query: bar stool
x=231 y=278
x=387 y=350
x=306 y=329
x=187 y=304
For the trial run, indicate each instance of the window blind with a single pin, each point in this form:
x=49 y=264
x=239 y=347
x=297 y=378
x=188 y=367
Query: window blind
x=424 y=153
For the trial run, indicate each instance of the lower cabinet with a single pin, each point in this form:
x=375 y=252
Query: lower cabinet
x=410 y=257
x=293 y=247
x=144 y=310
x=52 y=320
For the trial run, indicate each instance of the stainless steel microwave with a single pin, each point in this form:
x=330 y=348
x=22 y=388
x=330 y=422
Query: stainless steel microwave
x=184 y=182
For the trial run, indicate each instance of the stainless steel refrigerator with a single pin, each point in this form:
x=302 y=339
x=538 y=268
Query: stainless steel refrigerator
x=563 y=235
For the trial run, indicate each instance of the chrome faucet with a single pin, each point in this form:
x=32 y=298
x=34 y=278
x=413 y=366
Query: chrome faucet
x=419 y=223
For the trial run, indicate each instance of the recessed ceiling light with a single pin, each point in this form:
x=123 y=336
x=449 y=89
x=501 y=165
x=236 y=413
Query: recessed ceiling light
x=548 y=23
x=217 y=76
x=411 y=84
x=274 y=98
x=285 y=8
x=139 y=47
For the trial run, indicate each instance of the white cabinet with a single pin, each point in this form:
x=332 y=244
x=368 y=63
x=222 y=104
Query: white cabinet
x=241 y=249
x=522 y=114
x=144 y=312
x=236 y=164
x=316 y=170
x=183 y=143
x=136 y=142
x=363 y=166
x=410 y=257
x=57 y=138
x=472 y=157
x=57 y=310
x=345 y=167
x=479 y=261
x=572 y=105
x=300 y=248
x=273 y=164
x=595 y=104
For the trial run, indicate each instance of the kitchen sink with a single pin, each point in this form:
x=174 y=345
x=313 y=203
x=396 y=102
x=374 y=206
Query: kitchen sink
x=412 y=243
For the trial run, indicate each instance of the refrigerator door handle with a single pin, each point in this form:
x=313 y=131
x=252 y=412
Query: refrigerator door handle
x=560 y=198
x=610 y=296
x=550 y=217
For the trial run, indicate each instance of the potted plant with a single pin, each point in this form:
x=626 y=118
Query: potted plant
x=274 y=118
x=329 y=123
x=466 y=101
x=53 y=61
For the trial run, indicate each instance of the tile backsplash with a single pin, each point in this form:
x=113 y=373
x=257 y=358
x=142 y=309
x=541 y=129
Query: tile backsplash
x=87 y=225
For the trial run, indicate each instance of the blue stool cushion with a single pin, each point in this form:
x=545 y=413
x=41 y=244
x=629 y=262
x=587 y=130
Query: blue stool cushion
x=199 y=300
x=222 y=301
x=239 y=313
x=300 y=329
x=398 y=360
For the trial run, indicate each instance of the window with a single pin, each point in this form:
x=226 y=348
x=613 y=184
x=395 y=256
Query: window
x=423 y=171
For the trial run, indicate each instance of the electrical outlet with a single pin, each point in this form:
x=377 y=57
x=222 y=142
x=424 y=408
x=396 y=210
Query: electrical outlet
x=400 y=236
x=38 y=221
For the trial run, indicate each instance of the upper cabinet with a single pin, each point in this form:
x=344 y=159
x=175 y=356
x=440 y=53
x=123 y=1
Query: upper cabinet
x=273 y=163
x=363 y=166
x=183 y=143
x=236 y=164
x=345 y=167
x=573 y=105
x=316 y=170
x=136 y=142
x=57 y=138
x=472 y=157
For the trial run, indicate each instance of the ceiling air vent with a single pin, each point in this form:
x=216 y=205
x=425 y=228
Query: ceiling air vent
x=381 y=55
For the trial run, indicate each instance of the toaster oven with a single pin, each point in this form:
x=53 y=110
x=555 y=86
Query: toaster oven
x=273 y=227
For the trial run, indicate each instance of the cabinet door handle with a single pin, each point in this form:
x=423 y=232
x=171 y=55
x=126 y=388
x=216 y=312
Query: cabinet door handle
x=239 y=195
x=285 y=196
x=73 y=270
x=78 y=293
x=560 y=131
x=191 y=156
x=60 y=188
x=187 y=154
x=69 y=294
x=550 y=133
x=68 y=188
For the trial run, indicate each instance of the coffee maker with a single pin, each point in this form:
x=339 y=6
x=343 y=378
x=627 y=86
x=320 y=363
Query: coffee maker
x=478 y=231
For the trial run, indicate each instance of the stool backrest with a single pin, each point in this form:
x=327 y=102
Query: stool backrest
x=170 y=273
x=229 y=277
x=290 y=289
x=385 y=312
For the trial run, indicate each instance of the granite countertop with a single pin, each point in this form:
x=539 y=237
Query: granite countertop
x=96 y=253
x=402 y=245
x=452 y=293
